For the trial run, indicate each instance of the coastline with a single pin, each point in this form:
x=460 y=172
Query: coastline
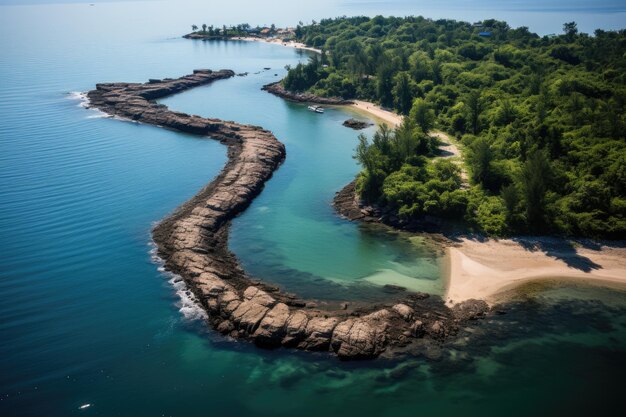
x=193 y=244
x=472 y=271
x=372 y=110
x=366 y=108
x=377 y=113
x=276 y=41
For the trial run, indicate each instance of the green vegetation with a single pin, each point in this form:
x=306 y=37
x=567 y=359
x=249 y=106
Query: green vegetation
x=243 y=29
x=541 y=119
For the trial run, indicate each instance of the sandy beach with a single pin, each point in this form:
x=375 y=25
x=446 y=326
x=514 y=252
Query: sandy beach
x=275 y=41
x=491 y=270
x=378 y=113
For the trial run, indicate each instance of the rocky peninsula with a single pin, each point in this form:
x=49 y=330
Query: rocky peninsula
x=193 y=243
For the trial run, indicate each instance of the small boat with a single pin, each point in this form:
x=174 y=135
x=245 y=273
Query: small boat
x=316 y=109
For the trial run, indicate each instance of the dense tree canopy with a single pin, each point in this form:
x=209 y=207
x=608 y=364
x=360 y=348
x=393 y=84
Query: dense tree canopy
x=541 y=119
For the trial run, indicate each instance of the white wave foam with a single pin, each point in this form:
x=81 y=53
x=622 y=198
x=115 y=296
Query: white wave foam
x=188 y=303
x=84 y=103
x=79 y=95
x=98 y=115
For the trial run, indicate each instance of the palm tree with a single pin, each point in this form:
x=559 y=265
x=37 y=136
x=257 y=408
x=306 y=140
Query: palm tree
x=204 y=28
x=194 y=28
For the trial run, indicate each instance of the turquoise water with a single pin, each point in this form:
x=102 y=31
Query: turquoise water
x=86 y=317
x=291 y=235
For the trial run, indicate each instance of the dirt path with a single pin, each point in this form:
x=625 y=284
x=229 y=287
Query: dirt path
x=451 y=150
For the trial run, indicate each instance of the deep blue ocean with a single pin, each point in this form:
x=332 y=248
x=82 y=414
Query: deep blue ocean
x=86 y=315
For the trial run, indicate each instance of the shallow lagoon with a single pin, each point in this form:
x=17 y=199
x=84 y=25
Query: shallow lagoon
x=291 y=235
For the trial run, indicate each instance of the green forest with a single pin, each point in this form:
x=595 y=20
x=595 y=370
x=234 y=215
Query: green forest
x=540 y=120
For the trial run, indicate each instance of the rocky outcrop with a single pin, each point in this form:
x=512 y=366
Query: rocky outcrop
x=356 y=124
x=280 y=91
x=192 y=242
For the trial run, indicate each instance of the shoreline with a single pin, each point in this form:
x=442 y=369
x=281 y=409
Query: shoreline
x=473 y=272
x=372 y=110
x=377 y=113
x=193 y=244
x=273 y=41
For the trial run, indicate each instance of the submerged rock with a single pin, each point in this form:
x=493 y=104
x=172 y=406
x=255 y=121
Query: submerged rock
x=357 y=124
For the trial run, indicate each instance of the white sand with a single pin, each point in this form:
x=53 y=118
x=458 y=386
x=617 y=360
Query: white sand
x=378 y=113
x=490 y=270
x=275 y=41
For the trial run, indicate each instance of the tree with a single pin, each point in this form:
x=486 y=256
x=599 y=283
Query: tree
x=402 y=92
x=571 y=30
x=422 y=115
x=204 y=28
x=475 y=105
x=507 y=113
x=535 y=178
x=384 y=85
x=194 y=28
x=480 y=157
x=510 y=197
x=404 y=142
x=371 y=179
x=362 y=155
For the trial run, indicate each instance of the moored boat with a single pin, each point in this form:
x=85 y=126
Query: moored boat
x=316 y=109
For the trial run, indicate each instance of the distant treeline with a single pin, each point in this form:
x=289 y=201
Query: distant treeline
x=242 y=29
x=541 y=120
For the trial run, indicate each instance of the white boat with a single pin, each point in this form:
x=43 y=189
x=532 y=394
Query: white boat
x=316 y=109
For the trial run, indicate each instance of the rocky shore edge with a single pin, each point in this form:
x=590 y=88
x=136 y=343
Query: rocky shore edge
x=278 y=90
x=193 y=243
x=347 y=204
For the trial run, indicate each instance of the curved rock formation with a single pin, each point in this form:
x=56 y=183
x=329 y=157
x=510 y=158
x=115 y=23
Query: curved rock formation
x=193 y=243
x=278 y=90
